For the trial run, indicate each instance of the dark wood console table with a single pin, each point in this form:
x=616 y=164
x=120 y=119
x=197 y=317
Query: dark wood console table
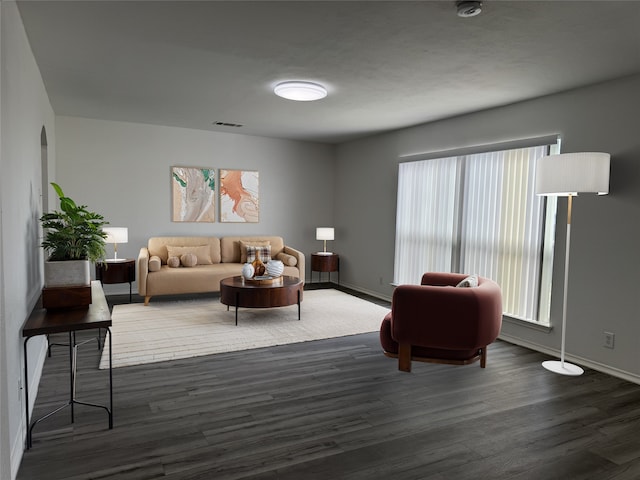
x=68 y=320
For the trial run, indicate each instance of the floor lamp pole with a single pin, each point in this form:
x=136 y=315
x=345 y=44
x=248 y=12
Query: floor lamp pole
x=562 y=367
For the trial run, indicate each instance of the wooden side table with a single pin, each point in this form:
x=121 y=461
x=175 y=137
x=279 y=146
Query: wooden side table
x=321 y=262
x=117 y=271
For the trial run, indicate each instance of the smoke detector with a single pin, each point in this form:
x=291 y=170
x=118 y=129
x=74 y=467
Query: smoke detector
x=468 y=8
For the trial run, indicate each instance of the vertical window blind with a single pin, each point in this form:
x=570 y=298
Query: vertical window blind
x=476 y=213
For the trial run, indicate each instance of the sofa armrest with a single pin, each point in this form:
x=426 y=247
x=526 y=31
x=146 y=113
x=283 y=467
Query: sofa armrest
x=299 y=257
x=143 y=270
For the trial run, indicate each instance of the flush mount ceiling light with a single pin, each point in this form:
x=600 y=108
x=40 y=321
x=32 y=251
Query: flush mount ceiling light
x=468 y=8
x=300 y=91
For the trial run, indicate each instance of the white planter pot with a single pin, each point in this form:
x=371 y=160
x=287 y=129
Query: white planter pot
x=67 y=273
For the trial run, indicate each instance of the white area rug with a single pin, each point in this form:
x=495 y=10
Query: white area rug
x=173 y=330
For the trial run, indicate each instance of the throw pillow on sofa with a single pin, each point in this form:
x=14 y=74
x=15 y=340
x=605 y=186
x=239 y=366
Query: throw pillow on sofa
x=203 y=252
x=189 y=260
x=287 y=259
x=173 y=262
x=265 y=253
x=470 y=281
x=255 y=243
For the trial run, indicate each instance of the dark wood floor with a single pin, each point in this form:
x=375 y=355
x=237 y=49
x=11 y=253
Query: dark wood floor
x=336 y=409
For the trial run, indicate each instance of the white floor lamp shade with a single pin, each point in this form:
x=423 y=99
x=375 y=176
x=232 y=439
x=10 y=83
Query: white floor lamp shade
x=566 y=175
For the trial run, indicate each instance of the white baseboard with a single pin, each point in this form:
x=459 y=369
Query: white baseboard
x=17 y=450
x=585 y=362
x=365 y=291
x=19 y=442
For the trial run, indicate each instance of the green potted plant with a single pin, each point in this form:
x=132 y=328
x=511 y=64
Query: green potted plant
x=73 y=238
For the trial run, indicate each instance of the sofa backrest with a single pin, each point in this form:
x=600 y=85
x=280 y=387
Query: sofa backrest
x=158 y=246
x=230 y=246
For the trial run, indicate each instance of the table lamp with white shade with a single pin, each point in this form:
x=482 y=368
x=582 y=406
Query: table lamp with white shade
x=116 y=235
x=566 y=175
x=324 y=234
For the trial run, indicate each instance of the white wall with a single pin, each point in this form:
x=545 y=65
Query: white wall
x=25 y=109
x=122 y=170
x=605 y=257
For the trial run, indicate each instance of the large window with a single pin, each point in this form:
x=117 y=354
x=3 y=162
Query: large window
x=478 y=213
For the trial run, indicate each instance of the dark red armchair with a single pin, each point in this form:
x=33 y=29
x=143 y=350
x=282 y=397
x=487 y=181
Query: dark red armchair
x=441 y=323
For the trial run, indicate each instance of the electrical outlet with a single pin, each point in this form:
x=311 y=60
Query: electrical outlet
x=609 y=338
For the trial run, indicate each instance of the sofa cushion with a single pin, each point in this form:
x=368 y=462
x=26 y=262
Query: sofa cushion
x=158 y=246
x=173 y=262
x=264 y=251
x=200 y=251
x=202 y=278
x=189 y=260
x=244 y=245
x=288 y=260
x=155 y=263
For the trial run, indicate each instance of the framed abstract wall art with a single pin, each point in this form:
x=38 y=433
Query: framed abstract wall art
x=193 y=192
x=239 y=196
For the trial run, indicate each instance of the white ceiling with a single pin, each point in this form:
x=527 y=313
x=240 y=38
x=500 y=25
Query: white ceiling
x=386 y=64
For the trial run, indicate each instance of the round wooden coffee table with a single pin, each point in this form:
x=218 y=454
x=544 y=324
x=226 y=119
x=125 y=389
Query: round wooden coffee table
x=236 y=292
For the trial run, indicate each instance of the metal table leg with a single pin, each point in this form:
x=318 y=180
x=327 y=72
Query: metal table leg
x=73 y=352
x=237 y=302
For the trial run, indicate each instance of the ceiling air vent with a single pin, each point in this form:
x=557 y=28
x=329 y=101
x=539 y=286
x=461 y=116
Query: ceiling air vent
x=228 y=124
x=468 y=8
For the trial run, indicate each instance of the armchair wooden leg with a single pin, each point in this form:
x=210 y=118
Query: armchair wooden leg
x=146 y=301
x=404 y=357
x=483 y=357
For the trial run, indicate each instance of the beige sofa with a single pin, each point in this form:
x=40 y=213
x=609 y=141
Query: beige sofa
x=155 y=277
